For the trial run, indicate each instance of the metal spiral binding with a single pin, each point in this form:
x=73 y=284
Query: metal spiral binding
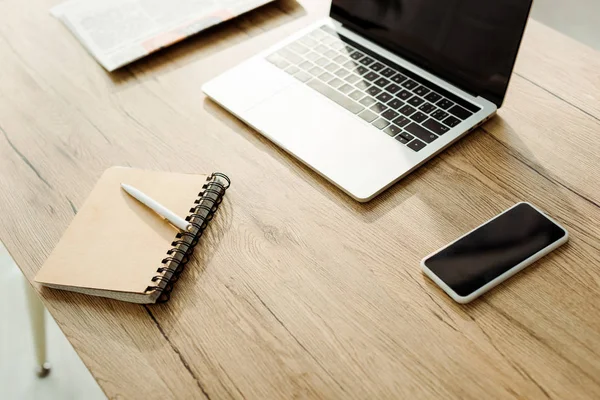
x=201 y=214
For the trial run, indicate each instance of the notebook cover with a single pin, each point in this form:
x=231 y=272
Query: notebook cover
x=115 y=243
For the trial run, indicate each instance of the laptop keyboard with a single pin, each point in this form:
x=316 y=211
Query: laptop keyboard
x=412 y=113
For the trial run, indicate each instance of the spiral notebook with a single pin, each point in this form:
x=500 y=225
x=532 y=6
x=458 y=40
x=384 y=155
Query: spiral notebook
x=118 y=248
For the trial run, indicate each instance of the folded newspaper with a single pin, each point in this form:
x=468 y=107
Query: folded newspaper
x=117 y=32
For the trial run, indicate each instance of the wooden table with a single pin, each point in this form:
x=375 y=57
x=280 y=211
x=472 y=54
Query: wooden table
x=297 y=290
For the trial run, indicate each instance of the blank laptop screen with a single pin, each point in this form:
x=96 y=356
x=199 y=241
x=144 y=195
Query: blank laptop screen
x=470 y=43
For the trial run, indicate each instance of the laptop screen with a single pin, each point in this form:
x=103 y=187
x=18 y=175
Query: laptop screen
x=470 y=43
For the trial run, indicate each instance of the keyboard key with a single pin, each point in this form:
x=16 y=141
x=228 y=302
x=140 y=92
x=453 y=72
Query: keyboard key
x=321 y=49
x=451 y=121
x=290 y=56
x=416 y=101
x=317 y=34
x=427 y=108
x=444 y=104
x=387 y=72
x=356 y=55
x=342 y=72
x=322 y=62
x=380 y=123
x=404 y=95
x=377 y=67
x=395 y=103
x=312 y=56
x=407 y=110
x=345 y=88
x=302 y=76
x=335 y=82
x=435 y=126
x=410 y=84
x=399 y=78
x=393 y=88
x=362 y=85
x=339 y=46
x=368 y=101
x=316 y=71
x=352 y=78
x=335 y=39
x=421 y=90
x=368 y=115
x=416 y=145
x=328 y=39
x=392 y=130
x=401 y=139
x=278 y=61
x=407 y=136
x=357 y=95
x=367 y=61
x=460 y=112
x=418 y=117
x=308 y=42
x=390 y=114
x=384 y=97
x=371 y=76
x=362 y=70
x=382 y=82
x=292 y=69
x=340 y=59
x=334 y=95
x=332 y=67
x=325 y=77
x=401 y=121
x=421 y=132
x=298 y=48
x=378 y=108
x=373 y=91
x=306 y=65
x=433 y=97
x=439 y=115
x=331 y=54
x=350 y=65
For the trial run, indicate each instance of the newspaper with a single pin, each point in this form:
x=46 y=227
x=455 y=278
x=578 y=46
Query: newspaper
x=117 y=32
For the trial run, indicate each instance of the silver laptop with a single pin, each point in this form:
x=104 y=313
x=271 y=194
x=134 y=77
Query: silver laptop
x=367 y=95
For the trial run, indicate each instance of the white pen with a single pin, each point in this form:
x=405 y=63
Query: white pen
x=158 y=208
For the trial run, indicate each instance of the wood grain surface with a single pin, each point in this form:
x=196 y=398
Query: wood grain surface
x=296 y=290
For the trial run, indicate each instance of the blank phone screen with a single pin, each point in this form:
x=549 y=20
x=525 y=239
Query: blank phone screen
x=494 y=248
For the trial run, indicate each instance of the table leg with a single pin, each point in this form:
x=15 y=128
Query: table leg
x=38 y=326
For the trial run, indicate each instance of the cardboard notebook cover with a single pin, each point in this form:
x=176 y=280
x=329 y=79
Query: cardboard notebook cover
x=115 y=245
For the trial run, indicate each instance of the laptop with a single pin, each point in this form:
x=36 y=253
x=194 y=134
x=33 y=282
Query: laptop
x=367 y=95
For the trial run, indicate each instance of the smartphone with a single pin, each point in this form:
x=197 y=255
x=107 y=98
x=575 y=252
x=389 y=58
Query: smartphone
x=493 y=252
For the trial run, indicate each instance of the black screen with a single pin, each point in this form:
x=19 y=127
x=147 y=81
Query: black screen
x=494 y=248
x=470 y=43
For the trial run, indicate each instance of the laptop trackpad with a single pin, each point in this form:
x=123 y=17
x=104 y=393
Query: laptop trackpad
x=246 y=85
x=335 y=142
